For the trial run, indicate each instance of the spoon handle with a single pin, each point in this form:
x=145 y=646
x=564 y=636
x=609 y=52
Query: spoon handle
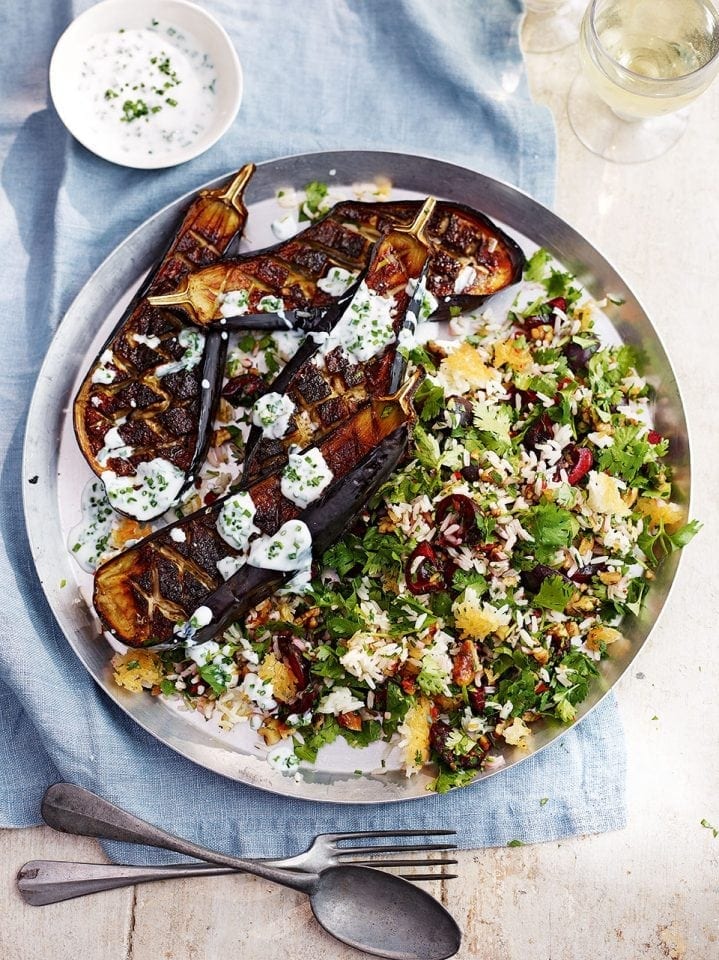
x=72 y=809
x=40 y=882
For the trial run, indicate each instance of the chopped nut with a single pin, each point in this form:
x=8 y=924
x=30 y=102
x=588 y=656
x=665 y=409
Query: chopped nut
x=220 y=436
x=541 y=655
x=581 y=604
x=610 y=576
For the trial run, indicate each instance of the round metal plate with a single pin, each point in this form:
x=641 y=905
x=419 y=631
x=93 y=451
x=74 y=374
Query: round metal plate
x=51 y=453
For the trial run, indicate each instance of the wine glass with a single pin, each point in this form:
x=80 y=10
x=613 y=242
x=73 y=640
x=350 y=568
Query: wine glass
x=642 y=62
x=551 y=25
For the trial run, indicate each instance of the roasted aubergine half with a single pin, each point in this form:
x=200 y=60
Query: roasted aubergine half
x=470 y=259
x=352 y=358
x=145 y=409
x=200 y=573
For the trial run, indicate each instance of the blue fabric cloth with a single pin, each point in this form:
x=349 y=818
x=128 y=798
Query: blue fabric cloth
x=436 y=78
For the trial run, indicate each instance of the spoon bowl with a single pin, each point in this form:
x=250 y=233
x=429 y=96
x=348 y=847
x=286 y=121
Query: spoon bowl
x=383 y=915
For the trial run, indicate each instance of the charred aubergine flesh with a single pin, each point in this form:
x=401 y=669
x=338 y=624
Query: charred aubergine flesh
x=355 y=357
x=470 y=259
x=171 y=584
x=144 y=412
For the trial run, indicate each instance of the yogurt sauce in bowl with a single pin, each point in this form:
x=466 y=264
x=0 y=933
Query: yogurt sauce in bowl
x=146 y=84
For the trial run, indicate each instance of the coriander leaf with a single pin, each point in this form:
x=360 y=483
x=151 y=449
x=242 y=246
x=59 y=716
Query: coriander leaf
x=681 y=537
x=426 y=448
x=536 y=265
x=554 y=594
x=707 y=826
x=429 y=400
x=515 y=843
x=495 y=419
x=552 y=528
x=449 y=779
x=216 y=676
x=316 y=738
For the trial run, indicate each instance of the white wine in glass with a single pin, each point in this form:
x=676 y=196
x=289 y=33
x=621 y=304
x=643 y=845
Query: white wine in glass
x=643 y=61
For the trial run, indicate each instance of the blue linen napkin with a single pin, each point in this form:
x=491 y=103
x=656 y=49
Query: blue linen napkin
x=414 y=75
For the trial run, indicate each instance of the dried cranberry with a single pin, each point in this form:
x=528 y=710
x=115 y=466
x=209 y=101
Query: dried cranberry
x=654 y=437
x=425 y=570
x=558 y=303
x=242 y=391
x=470 y=473
x=577 y=461
x=586 y=573
x=477 y=699
x=458 y=511
x=304 y=700
x=293 y=658
x=533 y=579
x=439 y=733
x=578 y=356
x=529 y=323
x=539 y=432
x=461 y=412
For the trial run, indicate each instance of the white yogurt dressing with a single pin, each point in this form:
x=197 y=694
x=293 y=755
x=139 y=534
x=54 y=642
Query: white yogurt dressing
x=282 y=757
x=114 y=445
x=228 y=566
x=234 y=303
x=102 y=372
x=288 y=549
x=88 y=540
x=272 y=413
x=146 y=91
x=305 y=477
x=194 y=343
x=235 y=521
x=153 y=490
x=152 y=342
x=365 y=328
x=285 y=227
x=186 y=630
x=336 y=281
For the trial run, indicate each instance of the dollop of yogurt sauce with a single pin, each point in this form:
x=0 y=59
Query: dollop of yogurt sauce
x=336 y=281
x=146 y=91
x=272 y=413
x=288 y=549
x=194 y=343
x=305 y=477
x=235 y=521
x=154 y=488
x=365 y=328
x=88 y=540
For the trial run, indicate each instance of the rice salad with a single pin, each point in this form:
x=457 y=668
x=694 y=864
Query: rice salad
x=482 y=585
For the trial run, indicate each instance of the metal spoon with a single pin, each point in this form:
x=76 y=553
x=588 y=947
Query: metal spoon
x=373 y=911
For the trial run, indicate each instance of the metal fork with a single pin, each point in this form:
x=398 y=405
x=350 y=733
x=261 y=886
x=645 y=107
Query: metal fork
x=51 y=881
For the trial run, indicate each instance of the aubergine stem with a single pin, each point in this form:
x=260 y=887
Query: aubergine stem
x=177 y=298
x=233 y=193
x=418 y=226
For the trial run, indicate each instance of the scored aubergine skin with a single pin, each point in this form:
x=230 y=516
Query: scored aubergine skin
x=167 y=417
x=457 y=236
x=326 y=394
x=142 y=594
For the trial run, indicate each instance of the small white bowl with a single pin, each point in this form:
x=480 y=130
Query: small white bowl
x=114 y=15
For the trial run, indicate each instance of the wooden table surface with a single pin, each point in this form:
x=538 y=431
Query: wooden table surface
x=649 y=891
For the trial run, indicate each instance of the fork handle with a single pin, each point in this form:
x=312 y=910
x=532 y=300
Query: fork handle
x=51 y=881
